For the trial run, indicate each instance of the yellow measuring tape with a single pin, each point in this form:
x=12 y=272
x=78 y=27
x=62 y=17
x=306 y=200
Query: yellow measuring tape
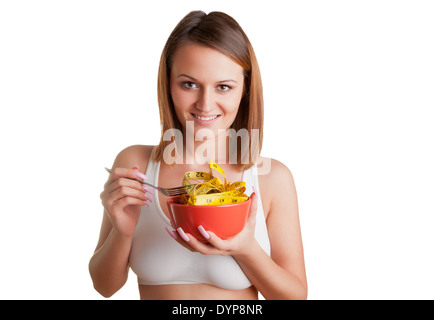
x=212 y=191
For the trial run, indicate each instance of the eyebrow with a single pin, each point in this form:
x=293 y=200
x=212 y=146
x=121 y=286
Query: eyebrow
x=221 y=81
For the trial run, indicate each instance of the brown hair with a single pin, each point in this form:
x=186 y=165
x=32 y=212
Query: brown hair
x=219 y=31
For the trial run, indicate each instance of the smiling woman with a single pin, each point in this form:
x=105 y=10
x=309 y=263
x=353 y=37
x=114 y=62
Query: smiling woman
x=232 y=69
x=199 y=90
x=209 y=81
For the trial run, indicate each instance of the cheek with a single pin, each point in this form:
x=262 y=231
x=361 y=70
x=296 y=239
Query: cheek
x=232 y=104
x=232 y=110
x=180 y=99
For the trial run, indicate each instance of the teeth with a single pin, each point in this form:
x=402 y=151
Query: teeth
x=205 y=118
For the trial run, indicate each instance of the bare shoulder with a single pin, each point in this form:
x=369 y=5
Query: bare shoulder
x=135 y=155
x=274 y=170
x=276 y=183
x=275 y=176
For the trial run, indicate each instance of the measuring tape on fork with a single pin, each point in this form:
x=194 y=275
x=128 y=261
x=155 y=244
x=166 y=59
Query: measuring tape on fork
x=212 y=191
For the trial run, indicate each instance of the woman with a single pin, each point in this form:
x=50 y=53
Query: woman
x=209 y=81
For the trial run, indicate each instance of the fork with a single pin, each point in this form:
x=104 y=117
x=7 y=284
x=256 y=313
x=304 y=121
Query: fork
x=170 y=192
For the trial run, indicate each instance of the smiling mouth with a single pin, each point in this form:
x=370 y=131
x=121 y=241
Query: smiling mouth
x=205 y=118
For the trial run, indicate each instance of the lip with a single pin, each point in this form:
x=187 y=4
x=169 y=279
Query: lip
x=204 y=122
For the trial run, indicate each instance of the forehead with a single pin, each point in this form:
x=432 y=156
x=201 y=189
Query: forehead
x=203 y=62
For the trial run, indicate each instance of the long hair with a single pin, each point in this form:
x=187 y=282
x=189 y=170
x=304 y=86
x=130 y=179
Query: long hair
x=221 y=32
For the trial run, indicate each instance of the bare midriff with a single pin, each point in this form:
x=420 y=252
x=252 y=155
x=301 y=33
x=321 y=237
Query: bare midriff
x=198 y=291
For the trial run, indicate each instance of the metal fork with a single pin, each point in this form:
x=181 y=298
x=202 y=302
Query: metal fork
x=170 y=192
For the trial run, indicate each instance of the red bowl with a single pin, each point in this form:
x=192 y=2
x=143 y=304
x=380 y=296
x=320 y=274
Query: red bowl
x=225 y=220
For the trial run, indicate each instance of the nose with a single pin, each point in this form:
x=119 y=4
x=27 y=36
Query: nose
x=205 y=100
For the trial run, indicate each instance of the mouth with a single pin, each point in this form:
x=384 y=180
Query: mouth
x=209 y=118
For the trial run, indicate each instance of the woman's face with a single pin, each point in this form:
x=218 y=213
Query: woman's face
x=206 y=87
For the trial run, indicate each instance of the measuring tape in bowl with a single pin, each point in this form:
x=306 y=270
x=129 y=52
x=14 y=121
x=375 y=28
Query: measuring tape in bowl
x=212 y=191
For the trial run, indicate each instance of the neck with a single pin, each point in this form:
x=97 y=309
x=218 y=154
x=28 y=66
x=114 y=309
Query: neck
x=206 y=145
x=198 y=147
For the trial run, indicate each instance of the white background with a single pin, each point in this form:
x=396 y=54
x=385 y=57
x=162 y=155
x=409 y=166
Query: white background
x=348 y=89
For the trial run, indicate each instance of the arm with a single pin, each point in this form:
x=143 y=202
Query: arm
x=108 y=266
x=122 y=199
x=282 y=274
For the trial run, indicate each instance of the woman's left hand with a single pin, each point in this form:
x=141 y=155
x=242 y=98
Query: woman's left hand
x=233 y=246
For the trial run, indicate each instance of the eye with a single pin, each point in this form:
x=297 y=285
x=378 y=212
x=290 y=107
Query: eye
x=223 y=87
x=189 y=85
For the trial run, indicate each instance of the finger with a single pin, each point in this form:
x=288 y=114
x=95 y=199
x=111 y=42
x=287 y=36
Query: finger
x=124 y=177
x=188 y=240
x=124 y=191
x=125 y=182
x=253 y=208
x=204 y=247
x=127 y=201
x=178 y=239
x=254 y=204
x=203 y=232
x=183 y=235
x=219 y=245
x=171 y=233
x=133 y=173
x=129 y=173
x=117 y=173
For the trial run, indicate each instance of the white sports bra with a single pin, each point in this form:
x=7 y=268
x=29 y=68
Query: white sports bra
x=157 y=259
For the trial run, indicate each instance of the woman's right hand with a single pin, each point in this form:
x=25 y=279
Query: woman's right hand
x=123 y=198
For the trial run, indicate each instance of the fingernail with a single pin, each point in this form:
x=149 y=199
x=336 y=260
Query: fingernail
x=146 y=203
x=183 y=235
x=140 y=175
x=203 y=232
x=147 y=189
x=171 y=233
